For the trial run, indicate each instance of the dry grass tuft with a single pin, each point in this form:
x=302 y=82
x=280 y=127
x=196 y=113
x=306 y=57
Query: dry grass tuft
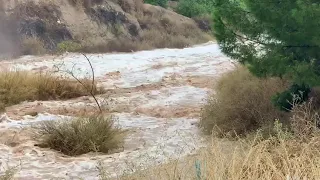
x=82 y=135
x=241 y=103
x=18 y=86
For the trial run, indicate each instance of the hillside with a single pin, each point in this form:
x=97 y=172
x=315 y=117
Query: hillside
x=39 y=26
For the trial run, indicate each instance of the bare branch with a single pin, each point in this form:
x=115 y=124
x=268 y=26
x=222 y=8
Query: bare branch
x=91 y=90
x=92 y=71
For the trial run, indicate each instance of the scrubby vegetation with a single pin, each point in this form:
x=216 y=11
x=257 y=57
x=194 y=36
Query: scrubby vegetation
x=284 y=100
x=68 y=46
x=18 y=86
x=78 y=136
x=242 y=103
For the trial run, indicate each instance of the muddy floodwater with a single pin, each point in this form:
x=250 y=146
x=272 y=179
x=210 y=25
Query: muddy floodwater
x=156 y=95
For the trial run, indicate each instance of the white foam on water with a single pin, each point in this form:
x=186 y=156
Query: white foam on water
x=137 y=68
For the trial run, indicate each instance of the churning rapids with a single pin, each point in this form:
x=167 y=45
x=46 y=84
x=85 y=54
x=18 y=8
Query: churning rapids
x=157 y=95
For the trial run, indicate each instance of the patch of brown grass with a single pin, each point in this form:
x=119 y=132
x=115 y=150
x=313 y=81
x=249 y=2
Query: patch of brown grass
x=241 y=103
x=78 y=136
x=269 y=159
x=18 y=86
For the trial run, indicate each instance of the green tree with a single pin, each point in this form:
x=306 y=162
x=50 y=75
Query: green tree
x=272 y=38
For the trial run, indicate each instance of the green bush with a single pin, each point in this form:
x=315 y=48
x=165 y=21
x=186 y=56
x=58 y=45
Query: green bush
x=242 y=103
x=296 y=94
x=68 y=46
x=162 y=3
x=81 y=135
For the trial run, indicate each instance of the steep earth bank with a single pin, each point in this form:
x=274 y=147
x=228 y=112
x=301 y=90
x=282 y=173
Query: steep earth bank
x=40 y=26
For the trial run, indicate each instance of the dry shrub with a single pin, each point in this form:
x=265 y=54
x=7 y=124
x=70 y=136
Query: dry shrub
x=32 y=46
x=305 y=119
x=241 y=103
x=18 y=86
x=81 y=135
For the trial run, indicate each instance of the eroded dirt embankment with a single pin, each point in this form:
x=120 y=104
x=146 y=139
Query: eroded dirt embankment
x=41 y=26
x=157 y=95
